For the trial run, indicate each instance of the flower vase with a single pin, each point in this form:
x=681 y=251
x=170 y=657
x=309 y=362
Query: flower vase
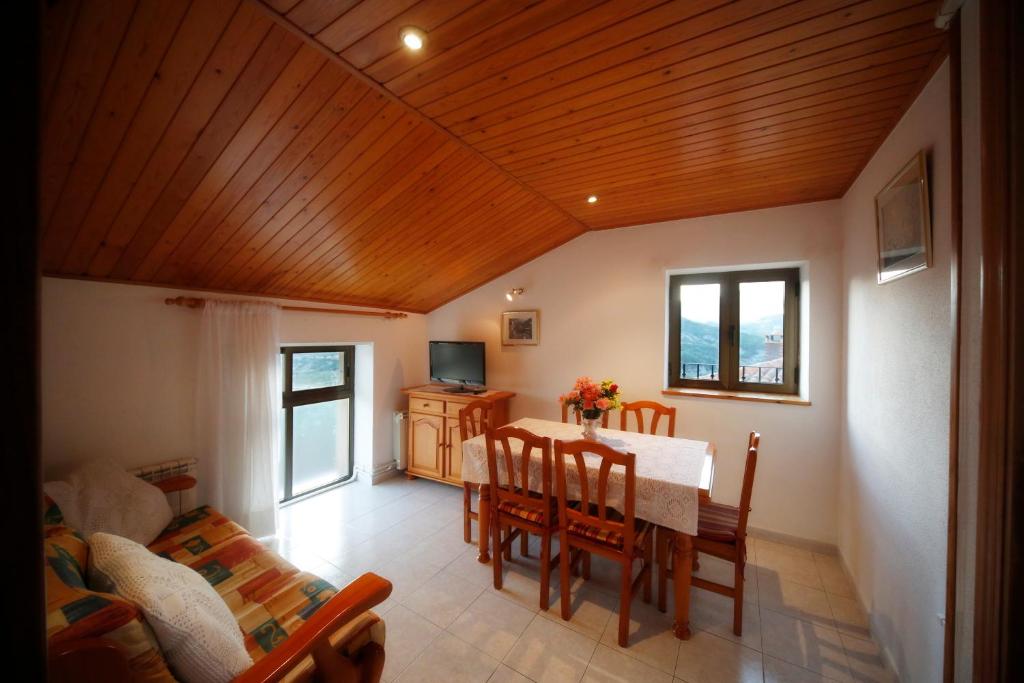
x=590 y=428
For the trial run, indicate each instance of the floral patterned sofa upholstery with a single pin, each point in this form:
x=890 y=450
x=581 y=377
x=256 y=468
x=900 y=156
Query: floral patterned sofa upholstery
x=294 y=623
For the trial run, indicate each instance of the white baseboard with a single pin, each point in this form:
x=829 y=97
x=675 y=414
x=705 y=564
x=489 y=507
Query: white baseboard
x=379 y=472
x=873 y=629
x=819 y=547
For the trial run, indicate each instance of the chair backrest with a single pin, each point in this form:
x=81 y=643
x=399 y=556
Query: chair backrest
x=565 y=416
x=517 y=485
x=474 y=419
x=753 y=443
x=637 y=408
x=593 y=509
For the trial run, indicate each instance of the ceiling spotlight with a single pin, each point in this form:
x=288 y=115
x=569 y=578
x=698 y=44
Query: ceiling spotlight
x=514 y=292
x=413 y=37
x=592 y=199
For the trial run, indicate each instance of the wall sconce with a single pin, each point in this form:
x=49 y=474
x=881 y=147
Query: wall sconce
x=514 y=292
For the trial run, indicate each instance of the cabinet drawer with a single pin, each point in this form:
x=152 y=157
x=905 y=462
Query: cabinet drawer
x=426 y=405
x=452 y=408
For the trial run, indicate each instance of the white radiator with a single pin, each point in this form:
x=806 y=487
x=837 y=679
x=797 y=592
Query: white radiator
x=399 y=438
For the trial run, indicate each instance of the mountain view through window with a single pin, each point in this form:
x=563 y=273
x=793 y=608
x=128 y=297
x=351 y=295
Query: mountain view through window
x=760 y=336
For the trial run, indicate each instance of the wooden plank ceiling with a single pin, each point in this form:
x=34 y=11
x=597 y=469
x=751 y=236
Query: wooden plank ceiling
x=295 y=148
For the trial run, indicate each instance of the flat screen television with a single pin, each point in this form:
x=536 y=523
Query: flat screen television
x=457 y=363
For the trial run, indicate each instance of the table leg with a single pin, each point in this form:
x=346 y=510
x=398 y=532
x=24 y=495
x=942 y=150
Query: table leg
x=682 y=568
x=484 y=523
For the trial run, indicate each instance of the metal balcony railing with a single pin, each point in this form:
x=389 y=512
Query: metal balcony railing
x=755 y=374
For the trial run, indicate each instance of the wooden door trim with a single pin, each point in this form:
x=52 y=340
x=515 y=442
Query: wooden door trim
x=955 y=287
x=999 y=583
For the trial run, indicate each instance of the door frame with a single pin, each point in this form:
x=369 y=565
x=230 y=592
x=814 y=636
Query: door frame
x=999 y=561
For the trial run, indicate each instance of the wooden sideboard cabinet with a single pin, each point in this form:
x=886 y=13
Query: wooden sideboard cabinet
x=435 y=449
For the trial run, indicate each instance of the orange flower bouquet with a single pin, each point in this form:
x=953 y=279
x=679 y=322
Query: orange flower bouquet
x=591 y=399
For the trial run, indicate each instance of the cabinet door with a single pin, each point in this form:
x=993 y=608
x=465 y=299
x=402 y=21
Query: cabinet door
x=426 y=441
x=453 y=451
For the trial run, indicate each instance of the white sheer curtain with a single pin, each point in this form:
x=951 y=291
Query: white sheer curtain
x=238 y=409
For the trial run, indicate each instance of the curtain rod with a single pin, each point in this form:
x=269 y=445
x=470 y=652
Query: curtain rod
x=196 y=302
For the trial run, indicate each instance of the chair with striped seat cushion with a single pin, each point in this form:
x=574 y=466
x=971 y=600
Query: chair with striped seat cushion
x=529 y=513
x=520 y=506
x=610 y=537
x=722 y=533
x=473 y=421
x=594 y=527
x=718 y=522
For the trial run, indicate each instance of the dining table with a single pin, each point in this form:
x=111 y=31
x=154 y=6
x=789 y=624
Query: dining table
x=672 y=476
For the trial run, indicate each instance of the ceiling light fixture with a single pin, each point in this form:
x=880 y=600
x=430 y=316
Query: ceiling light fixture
x=592 y=199
x=514 y=292
x=413 y=37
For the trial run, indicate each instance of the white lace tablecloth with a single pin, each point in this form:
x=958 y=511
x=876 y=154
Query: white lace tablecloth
x=668 y=470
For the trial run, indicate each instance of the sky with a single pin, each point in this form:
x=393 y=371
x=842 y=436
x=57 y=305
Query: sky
x=757 y=300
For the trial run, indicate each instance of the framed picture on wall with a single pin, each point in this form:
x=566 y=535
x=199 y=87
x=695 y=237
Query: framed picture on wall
x=903 y=216
x=520 y=328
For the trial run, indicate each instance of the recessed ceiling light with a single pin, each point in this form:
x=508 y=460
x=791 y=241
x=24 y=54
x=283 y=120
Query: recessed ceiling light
x=592 y=199
x=412 y=37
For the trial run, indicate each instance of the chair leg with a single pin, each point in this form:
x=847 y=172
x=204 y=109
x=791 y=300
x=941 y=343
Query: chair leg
x=467 y=496
x=696 y=561
x=648 y=568
x=625 y=598
x=564 y=554
x=496 y=549
x=737 y=601
x=508 y=548
x=661 y=541
x=586 y=566
x=524 y=543
x=545 y=570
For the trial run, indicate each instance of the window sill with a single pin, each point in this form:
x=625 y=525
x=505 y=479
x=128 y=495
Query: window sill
x=782 y=399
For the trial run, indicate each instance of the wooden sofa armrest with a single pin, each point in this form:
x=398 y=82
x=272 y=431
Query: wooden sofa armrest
x=313 y=638
x=89 y=660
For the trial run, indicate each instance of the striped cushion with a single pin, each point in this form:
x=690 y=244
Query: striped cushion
x=717 y=522
x=530 y=514
x=612 y=539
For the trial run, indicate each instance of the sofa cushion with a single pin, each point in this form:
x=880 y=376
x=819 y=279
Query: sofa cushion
x=74 y=612
x=196 y=630
x=102 y=496
x=269 y=597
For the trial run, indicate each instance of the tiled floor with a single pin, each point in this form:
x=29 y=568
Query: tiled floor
x=445 y=621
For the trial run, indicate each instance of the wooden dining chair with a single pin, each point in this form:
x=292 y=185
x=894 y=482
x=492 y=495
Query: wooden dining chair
x=522 y=505
x=592 y=527
x=658 y=411
x=565 y=416
x=473 y=420
x=722 y=533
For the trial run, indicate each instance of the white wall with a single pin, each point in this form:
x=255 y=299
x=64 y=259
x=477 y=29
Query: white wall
x=602 y=302
x=895 y=457
x=118 y=373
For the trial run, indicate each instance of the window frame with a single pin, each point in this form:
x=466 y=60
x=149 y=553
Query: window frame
x=291 y=399
x=729 y=327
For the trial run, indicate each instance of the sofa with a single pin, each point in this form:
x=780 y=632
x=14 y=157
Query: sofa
x=297 y=626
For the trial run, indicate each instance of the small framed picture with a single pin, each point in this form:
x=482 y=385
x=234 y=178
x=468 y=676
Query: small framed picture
x=904 y=222
x=519 y=328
